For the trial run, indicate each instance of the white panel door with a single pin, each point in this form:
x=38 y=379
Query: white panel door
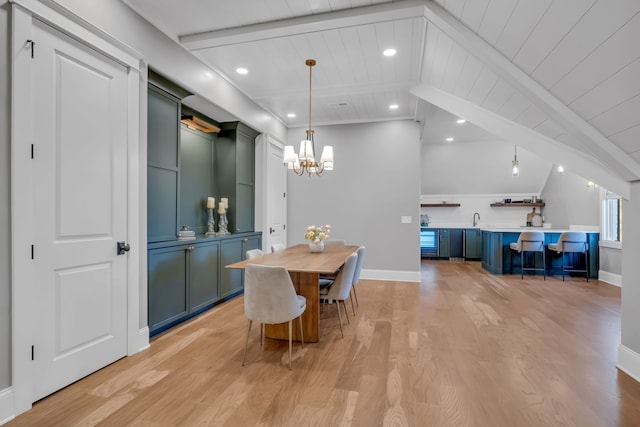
x=276 y=204
x=80 y=188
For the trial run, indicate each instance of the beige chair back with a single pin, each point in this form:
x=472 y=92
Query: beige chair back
x=530 y=241
x=269 y=295
x=335 y=242
x=341 y=286
x=254 y=253
x=572 y=241
x=277 y=247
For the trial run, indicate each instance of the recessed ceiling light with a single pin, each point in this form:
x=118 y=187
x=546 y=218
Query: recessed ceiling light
x=393 y=106
x=291 y=115
x=389 y=52
x=241 y=70
x=461 y=121
x=450 y=139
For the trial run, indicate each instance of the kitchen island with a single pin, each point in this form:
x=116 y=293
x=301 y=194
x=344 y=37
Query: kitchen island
x=497 y=256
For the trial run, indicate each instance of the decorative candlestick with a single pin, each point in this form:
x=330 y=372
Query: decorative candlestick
x=222 y=225
x=211 y=224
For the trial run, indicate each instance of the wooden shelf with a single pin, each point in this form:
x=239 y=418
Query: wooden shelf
x=499 y=205
x=439 y=205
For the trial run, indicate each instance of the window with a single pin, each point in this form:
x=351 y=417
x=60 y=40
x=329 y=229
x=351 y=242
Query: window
x=611 y=217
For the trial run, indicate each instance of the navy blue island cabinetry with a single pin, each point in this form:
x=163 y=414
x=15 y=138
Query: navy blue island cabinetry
x=497 y=255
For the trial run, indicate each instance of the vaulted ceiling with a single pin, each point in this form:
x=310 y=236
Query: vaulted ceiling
x=559 y=77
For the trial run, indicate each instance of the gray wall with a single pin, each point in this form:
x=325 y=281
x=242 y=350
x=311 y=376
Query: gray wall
x=631 y=272
x=5 y=174
x=569 y=201
x=611 y=259
x=376 y=181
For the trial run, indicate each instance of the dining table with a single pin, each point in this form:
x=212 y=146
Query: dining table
x=305 y=268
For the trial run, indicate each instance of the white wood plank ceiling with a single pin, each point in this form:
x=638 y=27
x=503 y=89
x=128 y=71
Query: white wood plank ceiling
x=568 y=70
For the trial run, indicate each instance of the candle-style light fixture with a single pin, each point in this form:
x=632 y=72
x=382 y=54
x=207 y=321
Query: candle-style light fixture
x=515 y=166
x=305 y=160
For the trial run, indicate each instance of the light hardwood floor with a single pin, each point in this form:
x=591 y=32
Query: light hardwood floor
x=462 y=348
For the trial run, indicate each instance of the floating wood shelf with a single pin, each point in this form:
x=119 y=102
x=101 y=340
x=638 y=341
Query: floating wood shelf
x=499 y=205
x=439 y=205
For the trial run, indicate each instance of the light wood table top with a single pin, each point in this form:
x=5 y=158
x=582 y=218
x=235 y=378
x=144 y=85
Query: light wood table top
x=299 y=259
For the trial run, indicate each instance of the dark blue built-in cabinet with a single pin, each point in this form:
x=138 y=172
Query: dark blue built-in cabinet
x=185 y=167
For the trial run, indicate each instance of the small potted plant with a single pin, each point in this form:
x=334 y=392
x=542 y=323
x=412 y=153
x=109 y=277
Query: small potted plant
x=316 y=235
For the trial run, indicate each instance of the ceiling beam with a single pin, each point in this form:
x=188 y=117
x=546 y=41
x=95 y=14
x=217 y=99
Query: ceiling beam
x=547 y=148
x=609 y=153
x=346 y=18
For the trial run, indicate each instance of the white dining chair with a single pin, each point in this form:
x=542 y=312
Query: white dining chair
x=340 y=289
x=356 y=274
x=254 y=253
x=335 y=242
x=277 y=247
x=572 y=242
x=269 y=297
x=529 y=241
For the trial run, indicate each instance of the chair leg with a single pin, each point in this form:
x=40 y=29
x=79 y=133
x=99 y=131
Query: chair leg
x=261 y=334
x=544 y=265
x=522 y=264
x=586 y=263
x=563 y=264
x=355 y=294
x=353 y=307
x=246 y=343
x=346 y=312
x=301 y=332
x=339 y=318
x=290 y=344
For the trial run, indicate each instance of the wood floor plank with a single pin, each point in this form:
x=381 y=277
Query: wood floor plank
x=462 y=347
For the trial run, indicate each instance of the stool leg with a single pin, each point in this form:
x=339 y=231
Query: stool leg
x=522 y=264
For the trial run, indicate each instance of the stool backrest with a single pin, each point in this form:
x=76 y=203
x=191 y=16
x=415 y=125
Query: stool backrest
x=531 y=241
x=572 y=241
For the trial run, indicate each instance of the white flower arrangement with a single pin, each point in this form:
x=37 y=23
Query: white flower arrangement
x=317 y=234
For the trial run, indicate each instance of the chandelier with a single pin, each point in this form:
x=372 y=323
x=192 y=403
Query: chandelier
x=304 y=161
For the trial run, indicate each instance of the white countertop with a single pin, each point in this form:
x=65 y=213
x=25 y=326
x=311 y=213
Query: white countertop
x=544 y=230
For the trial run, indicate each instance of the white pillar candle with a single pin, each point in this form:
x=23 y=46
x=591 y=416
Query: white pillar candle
x=225 y=200
x=211 y=203
x=221 y=208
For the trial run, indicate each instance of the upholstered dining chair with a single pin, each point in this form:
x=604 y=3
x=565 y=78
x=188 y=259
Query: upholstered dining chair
x=277 y=247
x=254 y=253
x=340 y=289
x=335 y=242
x=356 y=273
x=530 y=241
x=269 y=297
x=572 y=242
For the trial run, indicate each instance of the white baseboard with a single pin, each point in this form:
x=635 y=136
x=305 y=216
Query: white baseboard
x=397 y=276
x=6 y=405
x=610 y=278
x=629 y=362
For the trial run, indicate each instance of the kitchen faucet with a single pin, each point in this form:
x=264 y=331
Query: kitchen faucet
x=474 y=218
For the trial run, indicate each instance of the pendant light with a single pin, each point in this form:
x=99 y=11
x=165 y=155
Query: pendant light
x=304 y=161
x=515 y=166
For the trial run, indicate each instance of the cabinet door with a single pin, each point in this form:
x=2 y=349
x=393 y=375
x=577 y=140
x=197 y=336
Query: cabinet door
x=443 y=247
x=203 y=275
x=167 y=286
x=162 y=165
x=230 y=279
x=473 y=243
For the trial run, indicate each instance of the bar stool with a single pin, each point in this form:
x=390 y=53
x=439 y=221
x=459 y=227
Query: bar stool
x=572 y=242
x=530 y=241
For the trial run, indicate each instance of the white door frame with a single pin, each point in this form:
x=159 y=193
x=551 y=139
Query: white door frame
x=23 y=205
x=262 y=151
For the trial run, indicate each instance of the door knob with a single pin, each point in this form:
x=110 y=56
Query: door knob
x=123 y=247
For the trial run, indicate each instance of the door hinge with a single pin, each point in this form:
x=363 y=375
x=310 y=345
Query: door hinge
x=33 y=352
x=32 y=43
x=284 y=226
x=284 y=195
x=32 y=151
x=33 y=250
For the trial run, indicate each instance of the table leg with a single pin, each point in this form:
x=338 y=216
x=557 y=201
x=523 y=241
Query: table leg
x=306 y=284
